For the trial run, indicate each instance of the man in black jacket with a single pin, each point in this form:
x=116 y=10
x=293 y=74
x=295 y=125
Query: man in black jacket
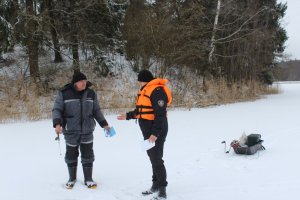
x=151 y=110
x=75 y=108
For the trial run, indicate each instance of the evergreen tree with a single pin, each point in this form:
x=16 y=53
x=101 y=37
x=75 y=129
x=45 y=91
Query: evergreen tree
x=7 y=22
x=92 y=26
x=235 y=39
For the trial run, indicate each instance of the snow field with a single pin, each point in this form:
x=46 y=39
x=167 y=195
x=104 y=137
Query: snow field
x=197 y=166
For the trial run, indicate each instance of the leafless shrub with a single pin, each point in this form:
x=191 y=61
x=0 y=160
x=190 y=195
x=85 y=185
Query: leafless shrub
x=23 y=100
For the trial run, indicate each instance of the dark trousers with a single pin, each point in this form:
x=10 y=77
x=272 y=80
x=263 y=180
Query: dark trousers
x=155 y=154
x=87 y=155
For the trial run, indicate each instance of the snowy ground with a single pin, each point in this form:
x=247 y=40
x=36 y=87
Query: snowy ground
x=32 y=169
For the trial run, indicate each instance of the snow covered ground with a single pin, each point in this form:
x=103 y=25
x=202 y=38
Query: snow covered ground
x=32 y=169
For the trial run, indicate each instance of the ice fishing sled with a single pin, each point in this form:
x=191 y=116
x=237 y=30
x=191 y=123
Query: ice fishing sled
x=254 y=144
x=249 y=150
x=250 y=146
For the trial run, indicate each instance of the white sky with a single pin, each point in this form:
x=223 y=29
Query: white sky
x=291 y=21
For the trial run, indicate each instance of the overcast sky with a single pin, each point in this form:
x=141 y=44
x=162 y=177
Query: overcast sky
x=292 y=25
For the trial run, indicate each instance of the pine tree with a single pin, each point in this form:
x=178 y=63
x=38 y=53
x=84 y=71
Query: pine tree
x=7 y=22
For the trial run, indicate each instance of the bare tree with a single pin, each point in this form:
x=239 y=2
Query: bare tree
x=212 y=45
x=32 y=41
x=53 y=31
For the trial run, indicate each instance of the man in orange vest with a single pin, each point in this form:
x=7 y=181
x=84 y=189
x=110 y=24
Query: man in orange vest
x=151 y=110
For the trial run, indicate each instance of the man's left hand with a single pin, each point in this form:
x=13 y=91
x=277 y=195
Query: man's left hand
x=107 y=128
x=152 y=139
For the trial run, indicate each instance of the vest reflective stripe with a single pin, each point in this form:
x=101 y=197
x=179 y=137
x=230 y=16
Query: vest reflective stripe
x=143 y=103
x=70 y=100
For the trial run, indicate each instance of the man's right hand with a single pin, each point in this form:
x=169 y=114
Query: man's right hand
x=58 y=129
x=122 y=116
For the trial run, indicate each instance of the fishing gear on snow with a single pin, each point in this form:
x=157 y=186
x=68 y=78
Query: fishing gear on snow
x=225 y=147
x=252 y=144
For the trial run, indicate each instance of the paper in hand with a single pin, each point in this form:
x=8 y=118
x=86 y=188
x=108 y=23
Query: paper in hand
x=111 y=133
x=146 y=145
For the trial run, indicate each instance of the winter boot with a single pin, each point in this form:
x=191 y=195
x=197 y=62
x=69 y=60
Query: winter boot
x=162 y=195
x=152 y=190
x=88 y=180
x=72 y=177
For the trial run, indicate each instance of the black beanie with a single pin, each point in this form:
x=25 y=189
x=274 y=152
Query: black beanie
x=78 y=76
x=145 y=76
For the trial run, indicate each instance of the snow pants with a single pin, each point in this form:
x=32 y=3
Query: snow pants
x=159 y=177
x=84 y=142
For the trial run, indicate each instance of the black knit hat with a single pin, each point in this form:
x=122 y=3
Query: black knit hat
x=145 y=76
x=78 y=76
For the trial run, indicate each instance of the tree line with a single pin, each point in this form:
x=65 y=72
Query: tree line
x=288 y=71
x=233 y=39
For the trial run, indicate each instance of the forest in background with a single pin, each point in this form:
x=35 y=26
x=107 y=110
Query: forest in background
x=288 y=71
x=214 y=51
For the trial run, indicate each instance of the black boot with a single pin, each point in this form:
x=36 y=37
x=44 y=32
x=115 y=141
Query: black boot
x=153 y=189
x=162 y=195
x=88 y=180
x=162 y=192
x=72 y=177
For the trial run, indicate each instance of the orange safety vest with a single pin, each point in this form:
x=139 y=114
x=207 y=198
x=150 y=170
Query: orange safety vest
x=143 y=103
